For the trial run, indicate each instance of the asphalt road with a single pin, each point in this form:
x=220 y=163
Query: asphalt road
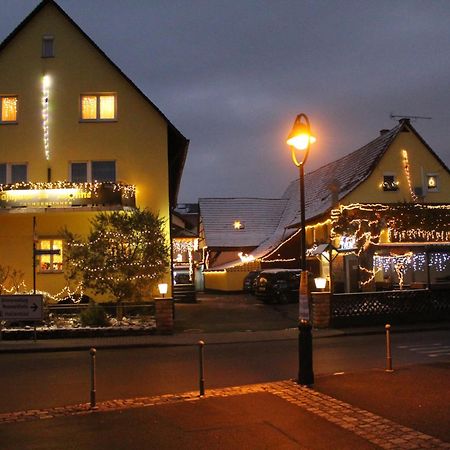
x=39 y=380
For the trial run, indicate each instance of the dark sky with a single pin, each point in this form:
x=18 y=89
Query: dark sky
x=231 y=75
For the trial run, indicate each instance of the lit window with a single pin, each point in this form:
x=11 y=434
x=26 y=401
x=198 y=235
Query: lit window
x=13 y=173
x=98 y=107
x=238 y=225
x=390 y=183
x=89 y=171
x=8 y=109
x=432 y=182
x=53 y=261
x=48 y=47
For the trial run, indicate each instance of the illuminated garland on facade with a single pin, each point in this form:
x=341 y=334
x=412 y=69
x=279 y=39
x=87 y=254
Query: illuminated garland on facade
x=45 y=125
x=404 y=223
x=408 y=175
x=127 y=190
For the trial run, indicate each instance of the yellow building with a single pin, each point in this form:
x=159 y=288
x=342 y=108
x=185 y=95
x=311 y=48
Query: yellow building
x=385 y=208
x=76 y=137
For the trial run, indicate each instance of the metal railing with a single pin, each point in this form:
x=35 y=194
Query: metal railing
x=367 y=308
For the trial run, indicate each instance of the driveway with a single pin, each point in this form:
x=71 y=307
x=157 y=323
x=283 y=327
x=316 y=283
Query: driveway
x=232 y=312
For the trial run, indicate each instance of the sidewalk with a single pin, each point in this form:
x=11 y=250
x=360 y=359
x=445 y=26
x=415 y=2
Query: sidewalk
x=341 y=412
x=192 y=338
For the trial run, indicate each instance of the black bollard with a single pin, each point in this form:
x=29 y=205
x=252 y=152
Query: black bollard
x=305 y=359
x=201 y=344
x=92 y=352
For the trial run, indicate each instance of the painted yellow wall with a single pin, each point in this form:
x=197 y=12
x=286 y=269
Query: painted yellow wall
x=421 y=162
x=224 y=281
x=137 y=141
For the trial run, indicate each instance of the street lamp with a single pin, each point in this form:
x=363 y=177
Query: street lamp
x=299 y=141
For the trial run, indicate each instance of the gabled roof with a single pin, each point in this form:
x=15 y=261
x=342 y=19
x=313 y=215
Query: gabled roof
x=177 y=143
x=328 y=185
x=259 y=217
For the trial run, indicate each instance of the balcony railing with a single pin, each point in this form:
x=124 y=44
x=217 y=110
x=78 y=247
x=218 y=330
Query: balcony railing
x=65 y=194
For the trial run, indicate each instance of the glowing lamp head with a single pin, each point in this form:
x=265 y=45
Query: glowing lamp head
x=162 y=287
x=320 y=282
x=300 y=136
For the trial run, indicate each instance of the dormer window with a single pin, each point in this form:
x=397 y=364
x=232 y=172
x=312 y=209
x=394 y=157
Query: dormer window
x=390 y=183
x=48 y=50
x=238 y=225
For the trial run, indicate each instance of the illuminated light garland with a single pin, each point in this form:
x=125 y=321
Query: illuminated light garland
x=65 y=292
x=127 y=190
x=45 y=115
x=246 y=258
x=408 y=175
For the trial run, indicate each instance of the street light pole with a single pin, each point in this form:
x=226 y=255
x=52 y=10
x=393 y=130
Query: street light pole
x=300 y=139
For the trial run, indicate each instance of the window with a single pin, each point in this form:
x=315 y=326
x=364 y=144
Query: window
x=79 y=172
x=2 y=173
x=13 y=173
x=50 y=262
x=432 y=182
x=98 y=107
x=103 y=170
x=89 y=171
x=48 y=47
x=8 y=109
x=390 y=183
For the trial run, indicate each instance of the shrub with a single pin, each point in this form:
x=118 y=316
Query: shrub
x=94 y=316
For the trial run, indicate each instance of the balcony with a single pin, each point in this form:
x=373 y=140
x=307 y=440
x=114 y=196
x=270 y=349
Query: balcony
x=63 y=195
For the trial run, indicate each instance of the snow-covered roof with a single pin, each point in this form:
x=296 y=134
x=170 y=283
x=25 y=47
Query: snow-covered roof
x=259 y=218
x=326 y=186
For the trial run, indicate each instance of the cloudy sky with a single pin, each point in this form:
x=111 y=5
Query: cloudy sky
x=231 y=75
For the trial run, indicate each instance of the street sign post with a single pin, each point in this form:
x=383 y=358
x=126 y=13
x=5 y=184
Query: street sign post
x=21 y=307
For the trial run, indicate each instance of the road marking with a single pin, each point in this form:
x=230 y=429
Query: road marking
x=432 y=350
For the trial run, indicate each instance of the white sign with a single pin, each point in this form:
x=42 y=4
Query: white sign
x=21 y=307
x=347 y=243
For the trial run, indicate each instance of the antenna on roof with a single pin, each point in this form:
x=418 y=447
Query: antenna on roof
x=393 y=116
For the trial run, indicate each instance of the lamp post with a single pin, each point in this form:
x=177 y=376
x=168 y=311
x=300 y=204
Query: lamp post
x=299 y=141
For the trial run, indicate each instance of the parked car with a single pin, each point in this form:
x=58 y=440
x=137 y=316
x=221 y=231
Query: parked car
x=278 y=285
x=249 y=282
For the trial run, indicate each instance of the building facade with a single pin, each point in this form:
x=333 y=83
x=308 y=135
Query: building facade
x=77 y=136
x=381 y=214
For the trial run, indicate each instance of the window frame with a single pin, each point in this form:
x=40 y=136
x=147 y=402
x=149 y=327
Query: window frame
x=89 y=177
x=9 y=167
x=436 y=177
x=51 y=270
x=394 y=186
x=45 y=53
x=98 y=95
x=9 y=122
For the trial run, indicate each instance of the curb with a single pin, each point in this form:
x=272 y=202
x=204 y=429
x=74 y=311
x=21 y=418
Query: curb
x=192 y=340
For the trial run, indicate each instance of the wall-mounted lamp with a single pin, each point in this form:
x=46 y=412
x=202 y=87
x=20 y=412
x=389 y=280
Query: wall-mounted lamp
x=320 y=282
